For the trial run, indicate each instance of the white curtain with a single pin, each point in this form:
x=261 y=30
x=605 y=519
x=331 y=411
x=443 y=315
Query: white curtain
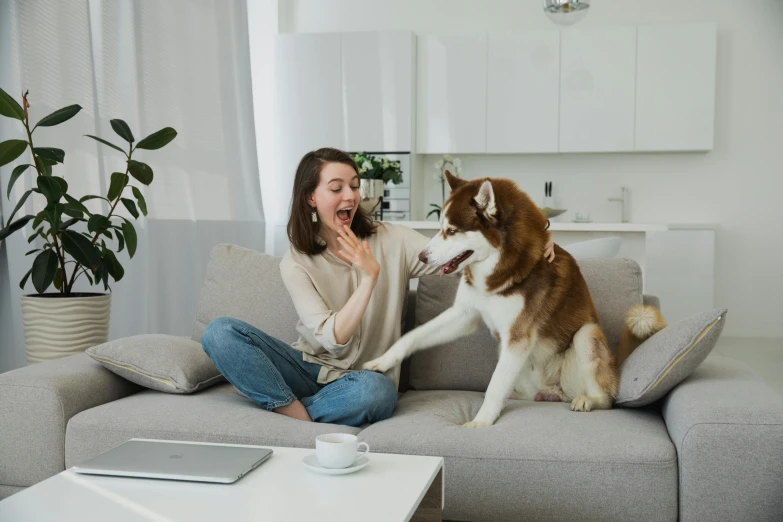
x=177 y=63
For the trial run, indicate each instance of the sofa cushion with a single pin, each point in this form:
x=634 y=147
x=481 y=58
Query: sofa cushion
x=661 y=362
x=246 y=285
x=540 y=461
x=467 y=364
x=160 y=362
x=217 y=414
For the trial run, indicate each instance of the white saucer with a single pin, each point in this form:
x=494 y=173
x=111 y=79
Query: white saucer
x=311 y=462
x=582 y=220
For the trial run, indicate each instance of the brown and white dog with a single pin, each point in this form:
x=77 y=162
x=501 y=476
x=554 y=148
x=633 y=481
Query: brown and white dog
x=551 y=344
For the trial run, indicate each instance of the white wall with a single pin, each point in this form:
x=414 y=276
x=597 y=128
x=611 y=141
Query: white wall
x=737 y=186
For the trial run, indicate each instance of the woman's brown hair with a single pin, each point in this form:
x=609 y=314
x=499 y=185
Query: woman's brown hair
x=302 y=231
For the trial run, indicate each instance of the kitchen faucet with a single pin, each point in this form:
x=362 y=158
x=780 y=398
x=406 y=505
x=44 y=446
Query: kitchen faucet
x=623 y=203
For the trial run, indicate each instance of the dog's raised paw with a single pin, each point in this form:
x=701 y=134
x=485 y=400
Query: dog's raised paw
x=373 y=366
x=581 y=403
x=377 y=365
x=474 y=424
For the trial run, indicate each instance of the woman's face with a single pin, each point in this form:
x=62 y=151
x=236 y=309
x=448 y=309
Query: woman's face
x=337 y=196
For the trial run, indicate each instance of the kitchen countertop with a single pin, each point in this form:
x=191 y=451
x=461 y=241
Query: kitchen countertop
x=574 y=227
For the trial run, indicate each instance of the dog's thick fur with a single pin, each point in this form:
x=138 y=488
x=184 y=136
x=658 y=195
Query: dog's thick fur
x=551 y=344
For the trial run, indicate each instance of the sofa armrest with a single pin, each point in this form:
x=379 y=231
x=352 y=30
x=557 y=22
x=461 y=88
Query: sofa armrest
x=36 y=403
x=727 y=426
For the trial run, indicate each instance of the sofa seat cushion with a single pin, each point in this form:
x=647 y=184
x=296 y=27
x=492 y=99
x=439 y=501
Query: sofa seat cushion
x=540 y=461
x=218 y=414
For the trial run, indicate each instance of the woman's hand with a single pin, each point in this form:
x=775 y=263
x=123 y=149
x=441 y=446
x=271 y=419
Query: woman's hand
x=549 y=250
x=358 y=253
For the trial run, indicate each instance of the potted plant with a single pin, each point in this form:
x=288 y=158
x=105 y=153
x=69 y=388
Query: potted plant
x=446 y=163
x=374 y=173
x=74 y=241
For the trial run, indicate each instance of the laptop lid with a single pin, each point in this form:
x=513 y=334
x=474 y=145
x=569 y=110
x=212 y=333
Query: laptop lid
x=176 y=460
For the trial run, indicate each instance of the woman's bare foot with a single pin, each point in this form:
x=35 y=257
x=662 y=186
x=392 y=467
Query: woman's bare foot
x=295 y=410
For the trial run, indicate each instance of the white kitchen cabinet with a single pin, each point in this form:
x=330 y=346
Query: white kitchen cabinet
x=523 y=82
x=377 y=83
x=451 y=93
x=597 y=89
x=675 y=93
x=309 y=94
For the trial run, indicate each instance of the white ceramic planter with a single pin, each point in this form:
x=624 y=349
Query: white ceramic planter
x=61 y=326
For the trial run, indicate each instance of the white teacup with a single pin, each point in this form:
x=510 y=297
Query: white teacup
x=338 y=450
x=582 y=216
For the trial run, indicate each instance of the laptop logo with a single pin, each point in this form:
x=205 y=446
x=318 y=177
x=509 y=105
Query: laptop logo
x=176 y=456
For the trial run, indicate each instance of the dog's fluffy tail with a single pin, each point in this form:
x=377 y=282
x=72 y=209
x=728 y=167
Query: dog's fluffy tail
x=641 y=323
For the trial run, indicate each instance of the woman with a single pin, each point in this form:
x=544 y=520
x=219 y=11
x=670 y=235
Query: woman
x=348 y=278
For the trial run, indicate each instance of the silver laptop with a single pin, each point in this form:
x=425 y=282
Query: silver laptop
x=172 y=460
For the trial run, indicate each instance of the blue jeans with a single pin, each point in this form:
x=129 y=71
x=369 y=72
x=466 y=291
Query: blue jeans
x=274 y=374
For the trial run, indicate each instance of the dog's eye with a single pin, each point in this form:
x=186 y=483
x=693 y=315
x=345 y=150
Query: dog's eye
x=451 y=231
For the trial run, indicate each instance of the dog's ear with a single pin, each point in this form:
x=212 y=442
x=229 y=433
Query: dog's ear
x=485 y=200
x=454 y=181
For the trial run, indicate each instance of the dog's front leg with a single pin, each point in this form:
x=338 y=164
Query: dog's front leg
x=453 y=323
x=512 y=360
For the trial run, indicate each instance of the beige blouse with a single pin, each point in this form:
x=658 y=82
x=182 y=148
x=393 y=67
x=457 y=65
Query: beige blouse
x=321 y=285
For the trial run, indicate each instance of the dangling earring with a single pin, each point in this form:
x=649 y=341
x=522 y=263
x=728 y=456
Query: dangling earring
x=315 y=217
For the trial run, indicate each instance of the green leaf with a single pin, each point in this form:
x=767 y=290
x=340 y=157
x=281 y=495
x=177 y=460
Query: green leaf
x=44 y=165
x=33 y=251
x=70 y=222
x=122 y=129
x=140 y=171
x=98 y=223
x=81 y=249
x=21 y=202
x=141 y=200
x=107 y=233
x=10 y=107
x=112 y=145
x=16 y=225
x=58 y=278
x=85 y=272
x=87 y=198
x=51 y=153
x=35 y=235
x=24 y=279
x=118 y=182
x=68 y=211
x=131 y=206
x=76 y=204
x=114 y=266
x=49 y=188
x=130 y=237
x=158 y=139
x=53 y=213
x=63 y=184
x=38 y=219
x=10 y=150
x=102 y=274
x=18 y=171
x=120 y=240
x=59 y=116
x=44 y=266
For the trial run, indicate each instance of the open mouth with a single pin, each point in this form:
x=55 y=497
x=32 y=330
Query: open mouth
x=344 y=215
x=452 y=265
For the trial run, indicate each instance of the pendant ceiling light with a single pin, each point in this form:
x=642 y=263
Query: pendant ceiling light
x=566 y=12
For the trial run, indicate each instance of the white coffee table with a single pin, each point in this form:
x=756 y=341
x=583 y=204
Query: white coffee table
x=391 y=488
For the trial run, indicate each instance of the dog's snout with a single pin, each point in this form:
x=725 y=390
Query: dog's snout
x=423 y=256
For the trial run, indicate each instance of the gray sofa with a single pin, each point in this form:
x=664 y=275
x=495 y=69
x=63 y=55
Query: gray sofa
x=712 y=449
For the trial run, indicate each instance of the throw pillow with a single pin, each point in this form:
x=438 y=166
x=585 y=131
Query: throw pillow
x=661 y=362
x=159 y=362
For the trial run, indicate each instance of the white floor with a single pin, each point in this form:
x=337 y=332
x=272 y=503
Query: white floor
x=765 y=356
